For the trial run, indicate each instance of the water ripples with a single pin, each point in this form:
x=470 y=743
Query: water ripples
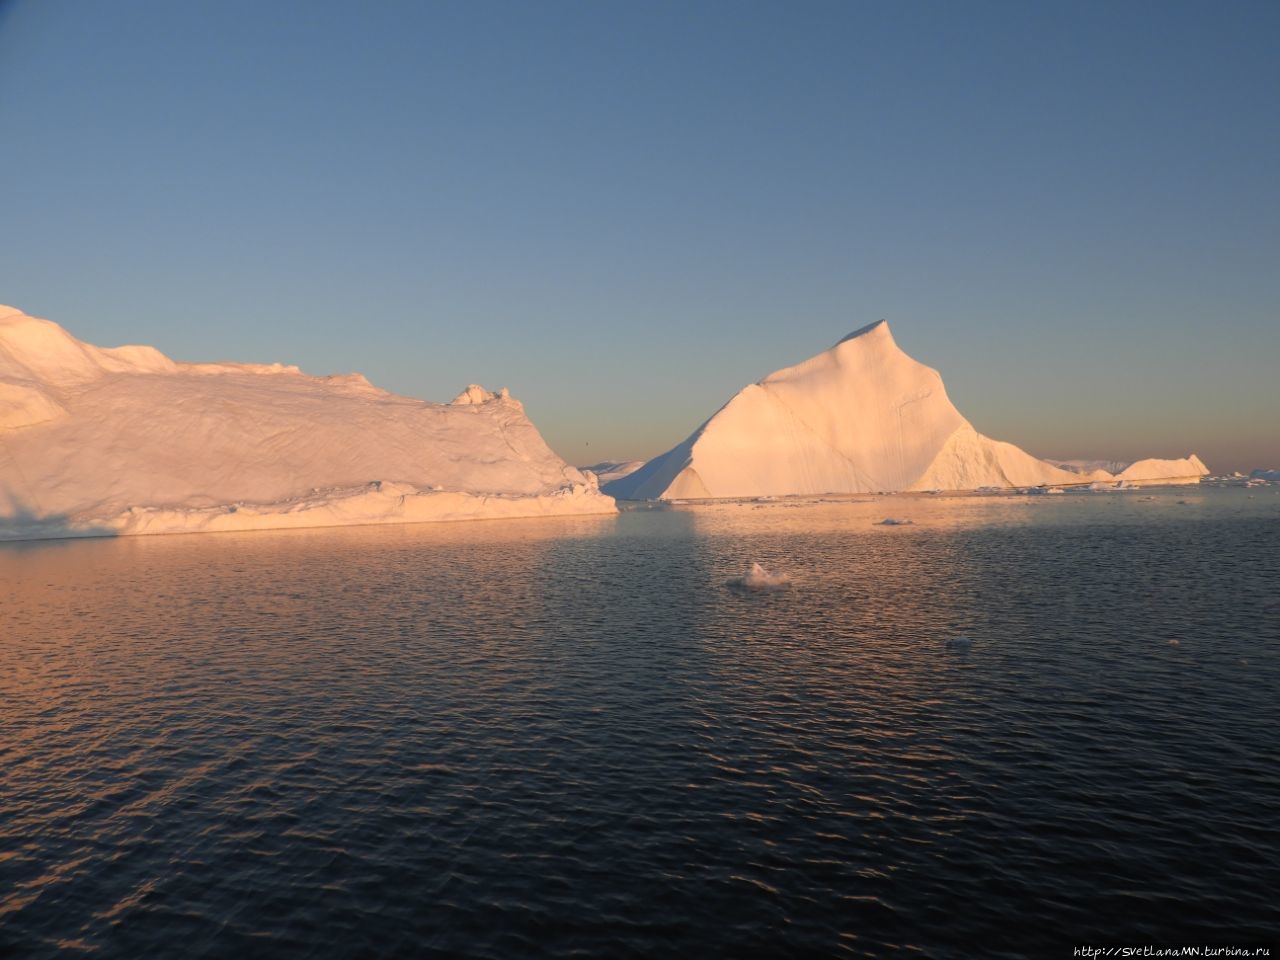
x=570 y=739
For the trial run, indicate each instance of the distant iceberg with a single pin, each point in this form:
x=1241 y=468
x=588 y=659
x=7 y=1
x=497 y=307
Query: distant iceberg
x=126 y=440
x=1186 y=470
x=1087 y=467
x=861 y=417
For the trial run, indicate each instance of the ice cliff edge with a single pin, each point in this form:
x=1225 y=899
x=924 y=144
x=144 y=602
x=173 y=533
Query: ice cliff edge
x=125 y=440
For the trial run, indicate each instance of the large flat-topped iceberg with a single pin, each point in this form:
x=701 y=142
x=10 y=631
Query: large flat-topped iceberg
x=125 y=440
x=858 y=418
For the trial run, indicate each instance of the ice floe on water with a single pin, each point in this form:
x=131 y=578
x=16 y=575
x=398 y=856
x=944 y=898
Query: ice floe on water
x=896 y=522
x=757 y=579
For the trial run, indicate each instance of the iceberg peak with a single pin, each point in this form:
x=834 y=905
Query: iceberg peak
x=879 y=327
x=860 y=417
x=477 y=394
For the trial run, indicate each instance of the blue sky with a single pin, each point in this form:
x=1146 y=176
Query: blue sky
x=626 y=211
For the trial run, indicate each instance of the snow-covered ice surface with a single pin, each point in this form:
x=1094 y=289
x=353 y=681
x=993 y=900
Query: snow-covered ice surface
x=860 y=417
x=97 y=441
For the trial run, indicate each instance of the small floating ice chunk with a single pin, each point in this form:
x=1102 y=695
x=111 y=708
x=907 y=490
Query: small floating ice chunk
x=959 y=644
x=758 y=578
x=896 y=521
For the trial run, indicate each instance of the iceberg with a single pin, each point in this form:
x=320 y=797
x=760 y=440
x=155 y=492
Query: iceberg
x=110 y=441
x=861 y=417
x=1185 y=470
x=606 y=471
x=757 y=578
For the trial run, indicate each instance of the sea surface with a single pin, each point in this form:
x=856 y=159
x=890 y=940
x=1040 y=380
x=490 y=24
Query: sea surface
x=574 y=737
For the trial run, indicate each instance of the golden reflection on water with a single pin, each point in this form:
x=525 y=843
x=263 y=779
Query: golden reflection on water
x=935 y=511
x=396 y=722
x=162 y=618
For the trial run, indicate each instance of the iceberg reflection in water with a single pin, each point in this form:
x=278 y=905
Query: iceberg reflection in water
x=566 y=738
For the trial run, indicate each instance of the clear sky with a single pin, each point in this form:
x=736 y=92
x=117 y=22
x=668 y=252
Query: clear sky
x=627 y=211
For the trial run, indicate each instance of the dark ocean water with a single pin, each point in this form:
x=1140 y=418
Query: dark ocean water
x=571 y=739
